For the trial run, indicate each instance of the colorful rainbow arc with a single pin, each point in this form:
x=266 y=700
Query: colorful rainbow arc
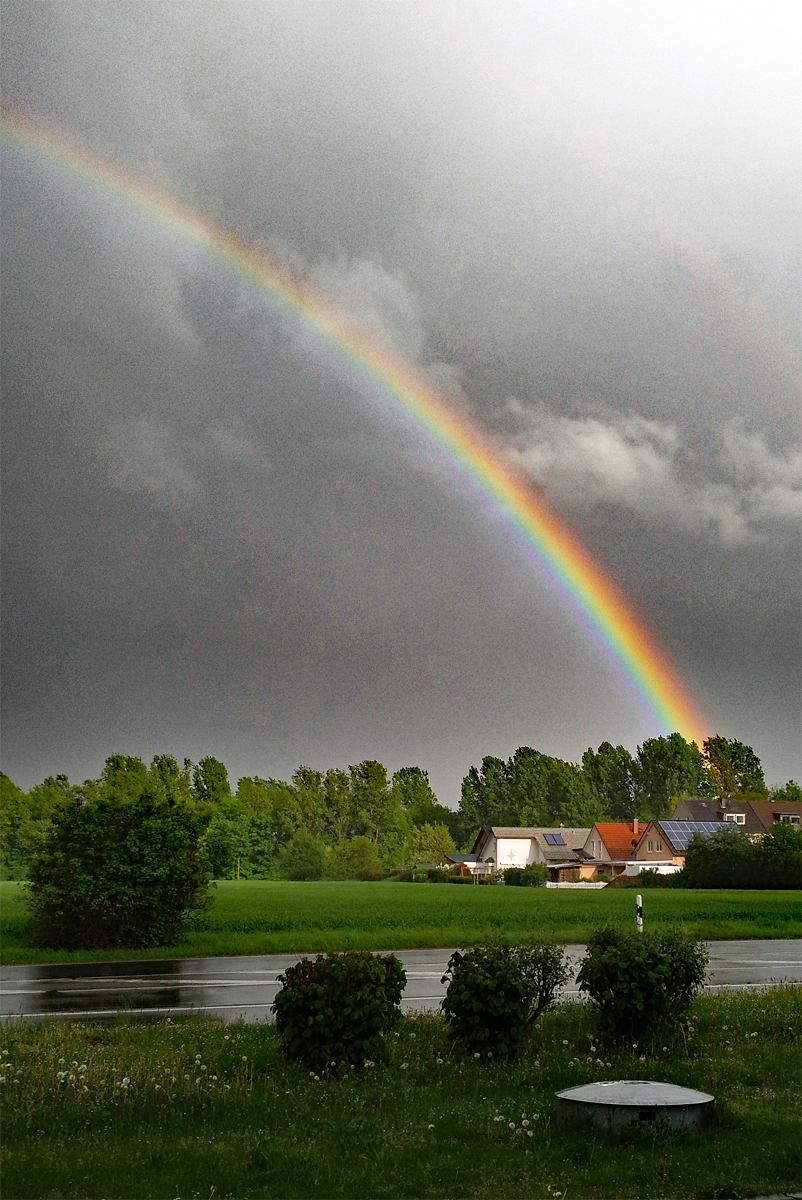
x=593 y=598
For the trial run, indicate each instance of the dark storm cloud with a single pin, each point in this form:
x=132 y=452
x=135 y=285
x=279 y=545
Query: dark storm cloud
x=578 y=218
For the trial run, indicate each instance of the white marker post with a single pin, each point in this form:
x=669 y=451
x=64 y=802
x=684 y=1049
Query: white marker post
x=639 y=913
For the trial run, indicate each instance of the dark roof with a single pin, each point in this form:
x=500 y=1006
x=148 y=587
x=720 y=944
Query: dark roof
x=460 y=858
x=679 y=833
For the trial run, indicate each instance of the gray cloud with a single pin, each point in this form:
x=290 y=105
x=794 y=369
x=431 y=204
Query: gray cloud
x=217 y=531
x=740 y=491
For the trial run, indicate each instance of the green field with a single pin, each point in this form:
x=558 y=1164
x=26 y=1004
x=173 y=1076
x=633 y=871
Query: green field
x=197 y=1109
x=257 y=917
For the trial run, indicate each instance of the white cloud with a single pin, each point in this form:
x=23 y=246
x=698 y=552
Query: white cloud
x=739 y=491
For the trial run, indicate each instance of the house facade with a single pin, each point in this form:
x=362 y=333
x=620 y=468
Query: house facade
x=668 y=840
x=498 y=847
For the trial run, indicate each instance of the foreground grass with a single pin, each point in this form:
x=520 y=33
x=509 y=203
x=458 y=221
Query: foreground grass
x=201 y=1110
x=258 y=917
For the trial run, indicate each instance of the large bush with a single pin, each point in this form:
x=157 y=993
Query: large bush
x=727 y=859
x=118 y=869
x=304 y=857
x=334 y=1010
x=497 y=991
x=356 y=858
x=640 y=982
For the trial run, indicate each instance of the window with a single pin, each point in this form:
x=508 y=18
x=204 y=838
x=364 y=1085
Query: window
x=650 y=847
x=735 y=818
x=790 y=817
x=658 y=845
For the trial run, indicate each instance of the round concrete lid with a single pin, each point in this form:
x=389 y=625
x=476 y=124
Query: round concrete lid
x=639 y=1093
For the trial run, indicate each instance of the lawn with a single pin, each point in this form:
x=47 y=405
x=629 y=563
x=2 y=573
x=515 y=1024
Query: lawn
x=200 y=1110
x=257 y=917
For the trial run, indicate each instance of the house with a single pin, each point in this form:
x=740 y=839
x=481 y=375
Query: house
x=561 y=849
x=611 y=845
x=466 y=864
x=667 y=841
x=754 y=817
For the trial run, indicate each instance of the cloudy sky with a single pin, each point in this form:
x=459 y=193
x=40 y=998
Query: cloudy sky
x=580 y=217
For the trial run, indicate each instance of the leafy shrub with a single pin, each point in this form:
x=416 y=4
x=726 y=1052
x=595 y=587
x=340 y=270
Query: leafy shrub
x=727 y=859
x=533 y=875
x=639 y=983
x=356 y=858
x=118 y=872
x=304 y=857
x=497 y=991
x=335 y=1009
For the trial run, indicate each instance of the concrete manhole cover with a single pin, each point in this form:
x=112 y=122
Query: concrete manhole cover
x=614 y=1103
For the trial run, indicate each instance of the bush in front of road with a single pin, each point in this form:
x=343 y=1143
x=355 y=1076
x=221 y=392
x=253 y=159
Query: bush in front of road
x=118 y=871
x=333 y=1011
x=639 y=983
x=497 y=991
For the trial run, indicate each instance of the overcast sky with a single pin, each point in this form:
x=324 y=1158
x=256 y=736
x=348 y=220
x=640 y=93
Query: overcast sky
x=581 y=217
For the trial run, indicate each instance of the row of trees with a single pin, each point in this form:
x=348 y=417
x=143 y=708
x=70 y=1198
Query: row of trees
x=610 y=784
x=357 y=822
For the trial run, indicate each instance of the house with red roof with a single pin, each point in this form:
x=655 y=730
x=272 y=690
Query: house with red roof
x=612 y=845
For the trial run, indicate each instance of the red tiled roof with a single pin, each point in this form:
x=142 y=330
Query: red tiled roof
x=618 y=837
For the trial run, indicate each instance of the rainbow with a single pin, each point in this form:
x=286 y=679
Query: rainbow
x=610 y=622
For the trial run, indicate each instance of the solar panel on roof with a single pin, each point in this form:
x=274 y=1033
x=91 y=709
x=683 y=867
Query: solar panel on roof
x=680 y=833
x=555 y=839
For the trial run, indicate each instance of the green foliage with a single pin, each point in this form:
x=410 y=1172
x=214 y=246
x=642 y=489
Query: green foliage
x=122 y=864
x=497 y=991
x=529 y=789
x=727 y=859
x=431 y=843
x=532 y=875
x=356 y=858
x=733 y=769
x=610 y=773
x=304 y=857
x=333 y=1012
x=667 y=768
x=24 y=821
x=789 y=792
x=640 y=984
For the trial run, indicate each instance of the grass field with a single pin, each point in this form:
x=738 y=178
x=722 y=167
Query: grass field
x=200 y=1110
x=256 y=917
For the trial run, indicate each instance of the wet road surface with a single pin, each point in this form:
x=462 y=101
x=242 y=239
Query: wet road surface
x=242 y=989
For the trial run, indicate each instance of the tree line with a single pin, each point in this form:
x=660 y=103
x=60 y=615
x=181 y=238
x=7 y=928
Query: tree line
x=359 y=822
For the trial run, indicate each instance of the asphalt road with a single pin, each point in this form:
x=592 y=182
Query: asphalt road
x=242 y=989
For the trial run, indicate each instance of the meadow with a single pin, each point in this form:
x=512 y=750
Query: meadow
x=259 y=917
x=196 y=1109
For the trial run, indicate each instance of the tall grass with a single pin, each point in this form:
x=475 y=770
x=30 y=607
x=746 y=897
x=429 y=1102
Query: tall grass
x=257 y=917
x=195 y=1109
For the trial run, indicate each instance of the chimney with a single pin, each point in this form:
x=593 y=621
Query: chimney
x=635 y=826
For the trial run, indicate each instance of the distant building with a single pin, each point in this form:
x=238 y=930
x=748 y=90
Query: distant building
x=668 y=840
x=611 y=845
x=753 y=817
x=498 y=847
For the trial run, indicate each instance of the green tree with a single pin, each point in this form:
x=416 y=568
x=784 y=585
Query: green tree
x=303 y=857
x=356 y=858
x=431 y=844
x=309 y=788
x=790 y=792
x=210 y=784
x=374 y=803
x=122 y=866
x=483 y=800
x=610 y=772
x=666 y=769
x=338 y=805
x=733 y=769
